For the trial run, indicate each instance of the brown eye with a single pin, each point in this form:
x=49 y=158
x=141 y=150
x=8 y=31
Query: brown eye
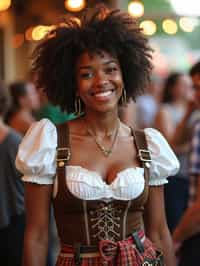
x=86 y=75
x=111 y=70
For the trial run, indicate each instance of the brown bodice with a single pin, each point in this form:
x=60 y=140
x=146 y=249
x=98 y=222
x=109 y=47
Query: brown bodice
x=88 y=221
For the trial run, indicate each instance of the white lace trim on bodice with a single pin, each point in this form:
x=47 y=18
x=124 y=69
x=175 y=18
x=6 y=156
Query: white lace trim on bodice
x=89 y=185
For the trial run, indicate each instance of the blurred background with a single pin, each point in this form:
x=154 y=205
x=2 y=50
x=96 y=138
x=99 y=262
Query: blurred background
x=173 y=27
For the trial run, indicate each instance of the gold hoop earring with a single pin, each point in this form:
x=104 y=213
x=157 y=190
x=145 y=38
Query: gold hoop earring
x=77 y=105
x=123 y=97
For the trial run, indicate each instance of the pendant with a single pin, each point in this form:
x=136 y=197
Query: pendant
x=107 y=152
x=99 y=145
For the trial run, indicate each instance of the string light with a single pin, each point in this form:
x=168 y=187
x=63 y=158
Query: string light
x=4 y=4
x=149 y=27
x=74 y=5
x=136 y=8
x=40 y=31
x=170 y=26
x=188 y=24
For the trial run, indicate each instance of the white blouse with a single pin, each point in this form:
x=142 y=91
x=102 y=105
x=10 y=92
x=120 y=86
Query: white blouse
x=36 y=159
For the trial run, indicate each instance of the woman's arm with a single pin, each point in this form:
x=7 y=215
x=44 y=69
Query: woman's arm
x=183 y=132
x=37 y=204
x=163 y=122
x=155 y=224
x=189 y=224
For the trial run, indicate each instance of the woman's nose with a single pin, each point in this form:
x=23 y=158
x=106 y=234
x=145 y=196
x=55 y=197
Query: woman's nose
x=100 y=79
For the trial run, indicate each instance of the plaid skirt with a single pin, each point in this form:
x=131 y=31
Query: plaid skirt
x=124 y=253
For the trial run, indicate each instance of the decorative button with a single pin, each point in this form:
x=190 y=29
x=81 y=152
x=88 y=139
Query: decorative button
x=61 y=164
x=147 y=165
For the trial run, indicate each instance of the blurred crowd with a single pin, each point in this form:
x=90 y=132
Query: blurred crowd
x=170 y=104
x=21 y=104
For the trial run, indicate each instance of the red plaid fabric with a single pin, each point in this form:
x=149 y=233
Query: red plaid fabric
x=126 y=255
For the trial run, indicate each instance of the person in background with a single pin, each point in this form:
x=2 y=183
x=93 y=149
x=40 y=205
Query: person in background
x=142 y=112
x=148 y=104
x=12 y=217
x=102 y=198
x=24 y=102
x=187 y=233
x=177 y=92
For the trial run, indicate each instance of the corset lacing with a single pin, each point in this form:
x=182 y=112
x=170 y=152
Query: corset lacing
x=105 y=222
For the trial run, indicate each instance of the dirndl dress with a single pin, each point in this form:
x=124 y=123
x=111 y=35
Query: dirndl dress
x=121 y=253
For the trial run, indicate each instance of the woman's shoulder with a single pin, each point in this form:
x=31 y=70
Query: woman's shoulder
x=43 y=125
x=40 y=134
x=153 y=132
x=155 y=137
x=36 y=157
x=164 y=160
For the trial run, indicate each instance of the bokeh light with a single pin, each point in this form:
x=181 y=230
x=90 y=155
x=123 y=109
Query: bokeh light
x=74 y=5
x=136 y=9
x=170 y=26
x=4 y=4
x=149 y=27
x=40 y=31
x=188 y=24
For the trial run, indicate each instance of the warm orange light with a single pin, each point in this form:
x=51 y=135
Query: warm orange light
x=136 y=8
x=28 y=34
x=18 y=40
x=40 y=31
x=4 y=4
x=74 y=5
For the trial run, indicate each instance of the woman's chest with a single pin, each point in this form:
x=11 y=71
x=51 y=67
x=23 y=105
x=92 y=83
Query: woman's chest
x=87 y=155
x=85 y=184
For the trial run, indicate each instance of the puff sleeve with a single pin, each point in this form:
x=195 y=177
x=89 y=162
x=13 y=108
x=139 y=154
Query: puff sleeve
x=164 y=162
x=36 y=157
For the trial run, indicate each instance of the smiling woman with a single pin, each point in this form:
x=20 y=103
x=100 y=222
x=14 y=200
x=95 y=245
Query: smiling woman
x=99 y=81
x=109 y=176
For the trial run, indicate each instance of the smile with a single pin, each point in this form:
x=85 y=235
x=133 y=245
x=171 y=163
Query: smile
x=102 y=95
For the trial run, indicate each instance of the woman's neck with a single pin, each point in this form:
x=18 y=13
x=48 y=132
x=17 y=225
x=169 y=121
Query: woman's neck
x=101 y=125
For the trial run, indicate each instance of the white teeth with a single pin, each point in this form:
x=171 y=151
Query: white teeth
x=103 y=94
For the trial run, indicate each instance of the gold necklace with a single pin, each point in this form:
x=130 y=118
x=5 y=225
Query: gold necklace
x=105 y=151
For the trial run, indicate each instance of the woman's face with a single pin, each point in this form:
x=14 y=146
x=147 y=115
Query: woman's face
x=99 y=81
x=183 y=88
x=31 y=99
